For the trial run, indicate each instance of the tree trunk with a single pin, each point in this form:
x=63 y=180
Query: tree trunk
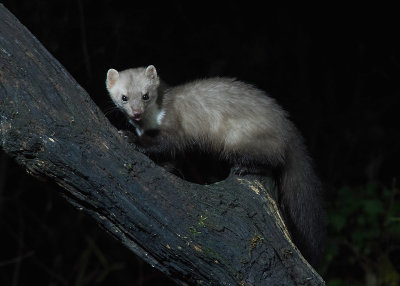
x=227 y=233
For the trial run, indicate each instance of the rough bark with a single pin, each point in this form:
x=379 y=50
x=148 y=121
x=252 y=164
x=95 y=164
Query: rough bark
x=227 y=233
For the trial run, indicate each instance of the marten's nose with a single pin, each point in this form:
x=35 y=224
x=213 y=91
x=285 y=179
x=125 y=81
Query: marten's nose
x=137 y=115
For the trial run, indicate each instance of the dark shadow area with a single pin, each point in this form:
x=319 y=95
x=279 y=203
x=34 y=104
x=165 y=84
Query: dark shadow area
x=45 y=241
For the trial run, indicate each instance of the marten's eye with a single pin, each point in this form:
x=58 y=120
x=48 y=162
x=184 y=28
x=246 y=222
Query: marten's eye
x=145 y=96
x=124 y=98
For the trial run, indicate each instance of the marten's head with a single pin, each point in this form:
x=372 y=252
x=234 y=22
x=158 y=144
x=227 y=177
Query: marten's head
x=133 y=90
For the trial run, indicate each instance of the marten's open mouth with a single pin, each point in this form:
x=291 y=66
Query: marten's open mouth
x=137 y=117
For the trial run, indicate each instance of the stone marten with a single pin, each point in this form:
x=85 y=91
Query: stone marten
x=235 y=121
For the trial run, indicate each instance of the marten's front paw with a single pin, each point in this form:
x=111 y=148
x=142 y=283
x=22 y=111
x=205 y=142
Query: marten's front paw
x=123 y=133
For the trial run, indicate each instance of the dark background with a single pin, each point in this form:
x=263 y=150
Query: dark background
x=335 y=69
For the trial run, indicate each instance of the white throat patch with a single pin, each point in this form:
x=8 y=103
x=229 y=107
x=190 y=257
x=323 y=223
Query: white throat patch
x=139 y=131
x=160 y=117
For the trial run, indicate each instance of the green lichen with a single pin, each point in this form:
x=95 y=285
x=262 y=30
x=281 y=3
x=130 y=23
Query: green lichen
x=194 y=231
x=128 y=166
x=202 y=221
x=256 y=240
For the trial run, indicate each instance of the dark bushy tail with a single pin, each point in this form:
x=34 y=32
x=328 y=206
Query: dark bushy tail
x=302 y=200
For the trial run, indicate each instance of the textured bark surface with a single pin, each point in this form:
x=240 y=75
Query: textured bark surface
x=227 y=233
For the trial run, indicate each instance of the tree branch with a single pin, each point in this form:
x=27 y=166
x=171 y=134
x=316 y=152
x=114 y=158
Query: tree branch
x=228 y=233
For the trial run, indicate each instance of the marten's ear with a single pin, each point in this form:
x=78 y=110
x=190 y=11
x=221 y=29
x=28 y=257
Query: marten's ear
x=112 y=77
x=151 y=72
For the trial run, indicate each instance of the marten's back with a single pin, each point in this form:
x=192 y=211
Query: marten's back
x=227 y=115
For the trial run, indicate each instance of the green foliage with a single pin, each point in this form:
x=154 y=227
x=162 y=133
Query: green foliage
x=363 y=237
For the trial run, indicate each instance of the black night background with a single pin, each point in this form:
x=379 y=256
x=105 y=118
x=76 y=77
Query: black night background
x=335 y=69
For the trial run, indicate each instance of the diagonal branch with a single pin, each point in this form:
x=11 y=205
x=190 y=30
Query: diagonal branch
x=228 y=233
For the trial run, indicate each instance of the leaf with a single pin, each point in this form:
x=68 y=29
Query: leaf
x=390 y=275
x=373 y=207
x=337 y=221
